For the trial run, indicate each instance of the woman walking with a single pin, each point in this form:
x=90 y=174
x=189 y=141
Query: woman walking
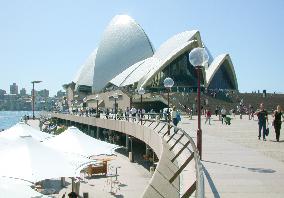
x=208 y=116
x=278 y=113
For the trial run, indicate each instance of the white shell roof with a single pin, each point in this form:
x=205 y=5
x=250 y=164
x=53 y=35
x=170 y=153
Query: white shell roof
x=123 y=44
x=86 y=73
x=216 y=64
x=175 y=42
x=144 y=70
x=135 y=72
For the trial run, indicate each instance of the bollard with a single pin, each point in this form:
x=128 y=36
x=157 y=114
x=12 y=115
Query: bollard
x=62 y=181
x=130 y=157
x=77 y=187
x=152 y=170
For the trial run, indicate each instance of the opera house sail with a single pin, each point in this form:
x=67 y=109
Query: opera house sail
x=125 y=58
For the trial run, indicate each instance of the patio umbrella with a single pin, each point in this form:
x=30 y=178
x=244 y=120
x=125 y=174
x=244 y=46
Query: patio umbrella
x=22 y=129
x=75 y=141
x=15 y=188
x=28 y=159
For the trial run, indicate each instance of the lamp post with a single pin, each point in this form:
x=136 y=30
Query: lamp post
x=130 y=154
x=33 y=96
x=198 y=57
x=97 y=110
x=168 y=83
x=115 y=96
x=141 y=92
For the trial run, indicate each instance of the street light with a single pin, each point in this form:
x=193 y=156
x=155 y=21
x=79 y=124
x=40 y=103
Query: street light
x=33 y=97
x=168 y=83
x=115 y=96
x=131 y=150
x=141 y=91
x=198 y=57
x=97 y=99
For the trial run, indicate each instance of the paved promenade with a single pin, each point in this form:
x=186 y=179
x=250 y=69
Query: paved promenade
x=236 y=163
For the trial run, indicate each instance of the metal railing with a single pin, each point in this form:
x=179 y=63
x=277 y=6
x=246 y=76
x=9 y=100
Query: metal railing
x=178 y=134
x=198 y=185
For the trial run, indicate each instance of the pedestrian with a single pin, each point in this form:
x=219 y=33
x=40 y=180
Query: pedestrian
x=107 y=113
x=234 y=112
x=216 y=111
x=72 y=195
x=249 y=112
x=175 y=117
x=262 y=119
x=208 y=116
x=127 y=113
x=278 y=113
x=252 y=113
x=133 y=112
x=190 y=113
x=223 y=113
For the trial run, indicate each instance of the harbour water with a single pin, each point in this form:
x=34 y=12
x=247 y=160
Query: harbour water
x=10 y=118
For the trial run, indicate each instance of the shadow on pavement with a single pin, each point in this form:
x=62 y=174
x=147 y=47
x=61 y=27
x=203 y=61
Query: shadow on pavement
x=259 y=170
x=280 y=141
x=211 y=183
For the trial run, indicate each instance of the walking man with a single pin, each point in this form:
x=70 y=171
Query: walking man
x=262 y=119
x=223 y=113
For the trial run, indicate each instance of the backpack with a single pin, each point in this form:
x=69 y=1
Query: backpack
x=178 y=117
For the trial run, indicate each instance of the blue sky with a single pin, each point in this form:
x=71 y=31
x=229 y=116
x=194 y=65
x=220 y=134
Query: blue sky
x=49 y=40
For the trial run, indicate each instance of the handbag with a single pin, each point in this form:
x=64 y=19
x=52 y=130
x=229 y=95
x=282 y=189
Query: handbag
x=267 y=131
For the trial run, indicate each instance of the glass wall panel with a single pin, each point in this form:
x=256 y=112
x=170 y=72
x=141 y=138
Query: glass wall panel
x=180 y=70
x=221 y=79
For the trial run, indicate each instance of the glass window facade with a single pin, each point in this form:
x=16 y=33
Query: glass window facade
x=221 y=79
x=180 y=70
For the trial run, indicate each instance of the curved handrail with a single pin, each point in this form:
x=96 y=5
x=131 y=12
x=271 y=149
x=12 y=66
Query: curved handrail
x=198 y=185
x=198 y=166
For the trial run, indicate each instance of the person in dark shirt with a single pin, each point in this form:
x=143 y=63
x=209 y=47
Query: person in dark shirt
x=262 y=119
x=278 y=113
x=72 y=195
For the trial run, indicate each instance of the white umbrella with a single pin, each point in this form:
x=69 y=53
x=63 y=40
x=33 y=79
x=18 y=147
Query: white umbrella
x=75 y=141
x=31 y=160
x=22 y=129
x=15 y=188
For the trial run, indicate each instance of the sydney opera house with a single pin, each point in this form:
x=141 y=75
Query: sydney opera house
x=126 y=60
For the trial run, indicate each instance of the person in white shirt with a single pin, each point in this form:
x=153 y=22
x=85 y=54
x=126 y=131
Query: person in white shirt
x=127 y=112
x=133 y=113
x=223 y=113
x=174 y=116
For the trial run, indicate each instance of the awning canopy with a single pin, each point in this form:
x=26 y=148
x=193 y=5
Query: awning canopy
x=27 y=159
x=16 y=188
x=22 y=129
x=75 y=141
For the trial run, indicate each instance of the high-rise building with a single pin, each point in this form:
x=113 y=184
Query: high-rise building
x=23 y=92
x=43 y=93
x=14 y=89
x=2 y=93
x=60 y=94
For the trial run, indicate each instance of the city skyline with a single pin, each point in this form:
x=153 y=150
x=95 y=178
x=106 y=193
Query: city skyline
x=49 y=41
x=15 y=90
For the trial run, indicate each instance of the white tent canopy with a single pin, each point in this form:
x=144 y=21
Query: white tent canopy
x=15 y=188
x=75 y=141
x=22 y=129
x=28 y=159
